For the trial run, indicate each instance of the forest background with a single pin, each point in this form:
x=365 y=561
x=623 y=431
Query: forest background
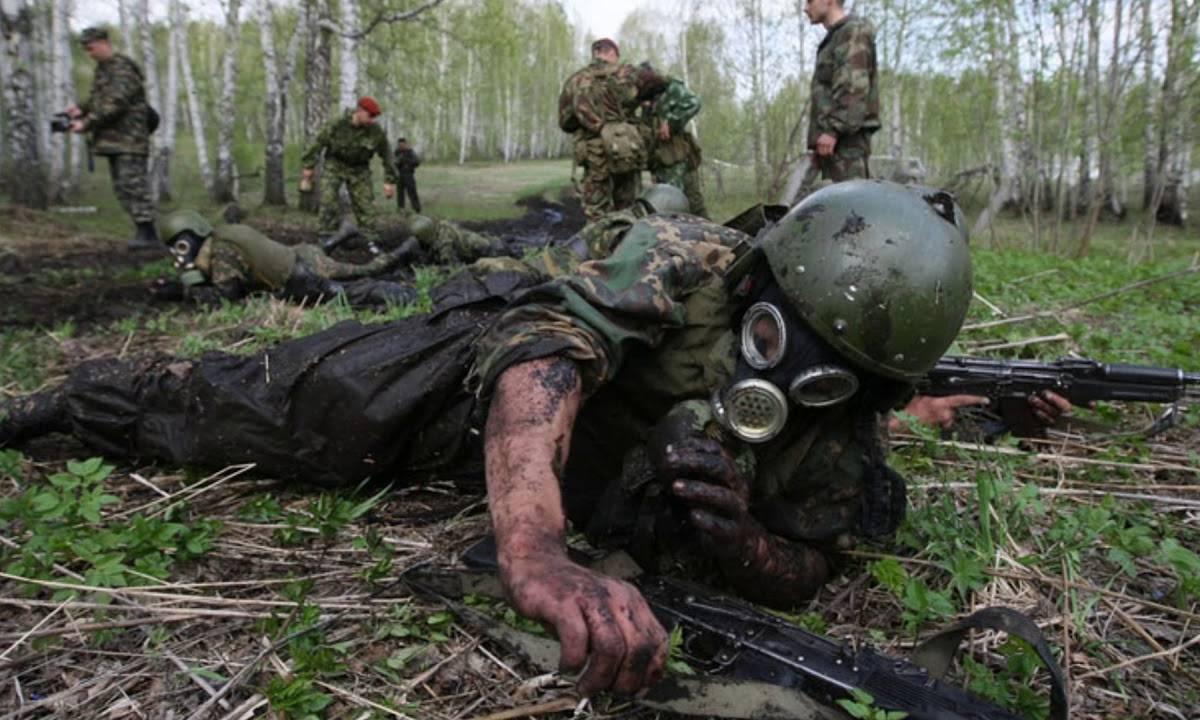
x=1057 y=108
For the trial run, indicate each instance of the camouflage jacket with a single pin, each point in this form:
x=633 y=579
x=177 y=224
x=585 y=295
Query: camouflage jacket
x=677 y=105
x=845 y=95
x=407 y=161
x=604 y=93
x=352 y=147
x=116 y=110
x=650 y=329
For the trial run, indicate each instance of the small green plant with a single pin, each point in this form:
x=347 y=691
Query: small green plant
x=296 y=697
x=62 y=523
x=676 y=665
x=861 y=704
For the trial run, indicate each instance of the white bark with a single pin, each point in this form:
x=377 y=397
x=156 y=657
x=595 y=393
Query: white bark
x=170 y=105
x=61 y=92
x=466 y=109
x=348 y=78
x=123 y=21
x=1008 y=108
x=153 y=98
x=1149 y=150
x=195 y=112
x=25 y=169
x=277 y=85
x=224 y=189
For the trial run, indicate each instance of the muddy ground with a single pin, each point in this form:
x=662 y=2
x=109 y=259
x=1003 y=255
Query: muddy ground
x=51 y=273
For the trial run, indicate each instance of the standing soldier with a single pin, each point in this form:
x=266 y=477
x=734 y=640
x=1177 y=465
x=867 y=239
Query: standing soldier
x=119 y=122
x=407 y=162
x=349 y=143
x=676 y=156
x=599 y=105
x=845 y=96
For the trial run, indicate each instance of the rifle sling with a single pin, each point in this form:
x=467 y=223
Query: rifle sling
x=936 y=653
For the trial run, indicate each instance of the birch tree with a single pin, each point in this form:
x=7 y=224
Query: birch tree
x=348 y=62
x=195 y=111
x=25 y=164
x=225 y=184
x=169 y=109
x=1149 y=153
x=318 y=62
x=153 y=96
x=61 y=93
x=278 y=83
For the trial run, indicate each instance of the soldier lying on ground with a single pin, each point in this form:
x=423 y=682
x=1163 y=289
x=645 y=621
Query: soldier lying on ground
x=708 y=403
x=233 y=260
x=446 y=243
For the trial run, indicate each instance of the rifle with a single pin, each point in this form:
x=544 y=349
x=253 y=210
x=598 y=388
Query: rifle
x=748 y=663
x=1007 y=383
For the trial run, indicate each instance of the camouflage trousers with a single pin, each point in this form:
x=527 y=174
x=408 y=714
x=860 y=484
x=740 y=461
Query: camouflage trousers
x=602 y=191
x=362 y=199
x=320 y=263
x=850 y=159
x=452 y=245
x=131 y=185
x=687 y=179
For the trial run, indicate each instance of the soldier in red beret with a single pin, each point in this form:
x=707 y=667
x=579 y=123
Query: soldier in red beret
x=349 y=143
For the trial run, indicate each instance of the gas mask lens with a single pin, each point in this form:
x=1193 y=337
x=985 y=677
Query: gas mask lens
x=754 y=410
x=764 y=336
x=823 y=386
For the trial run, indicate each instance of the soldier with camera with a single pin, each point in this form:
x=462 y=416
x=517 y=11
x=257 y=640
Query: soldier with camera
x=119 y=122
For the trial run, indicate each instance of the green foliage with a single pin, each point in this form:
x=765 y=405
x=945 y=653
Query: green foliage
x=861 y=705
x=61 y=522
x=326 y=515
x=296 y=698
x=676 y=664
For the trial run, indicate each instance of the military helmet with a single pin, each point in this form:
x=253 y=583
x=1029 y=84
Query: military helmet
x=423 y=228
x=179 y=221
x=880 y=271
x=664 y=198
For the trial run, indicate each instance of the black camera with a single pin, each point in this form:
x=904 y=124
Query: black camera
x=60 y=123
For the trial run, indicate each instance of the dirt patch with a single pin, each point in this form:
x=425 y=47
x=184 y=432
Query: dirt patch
x=29 y=302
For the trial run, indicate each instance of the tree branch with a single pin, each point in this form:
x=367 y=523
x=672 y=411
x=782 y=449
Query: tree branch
x=379 y=19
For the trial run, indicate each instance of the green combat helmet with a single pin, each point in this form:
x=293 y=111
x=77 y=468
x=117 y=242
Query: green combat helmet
x=881 y=271
x=423 y=228
x=663 y=198
x=185 y=232
x=179 y=221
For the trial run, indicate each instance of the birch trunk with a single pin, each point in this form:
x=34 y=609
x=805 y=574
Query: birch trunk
x=43 y=83
x=317 y=91
x=466 y=106
x=1172 y=206
x=195 y=112
x=170 y=107
x=24 y=161
x=1149 y=151
x=277 y=85
x=1008 y=109
x=153 y=98
x=61 y=94
x=224 y=189
x=126 y=31
x=1091 y=114
x=348 y=78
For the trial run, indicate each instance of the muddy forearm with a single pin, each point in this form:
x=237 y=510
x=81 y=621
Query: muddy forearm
x=774 y=571
x=526 y=444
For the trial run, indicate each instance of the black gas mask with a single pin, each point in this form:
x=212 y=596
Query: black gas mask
x=184 y=248
x=781 y=363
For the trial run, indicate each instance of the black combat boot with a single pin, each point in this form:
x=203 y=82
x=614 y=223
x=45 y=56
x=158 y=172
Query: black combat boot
x=25 y=418
x=145 y=239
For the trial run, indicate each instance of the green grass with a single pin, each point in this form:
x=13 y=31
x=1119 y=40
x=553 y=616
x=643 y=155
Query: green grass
x=473 y=191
